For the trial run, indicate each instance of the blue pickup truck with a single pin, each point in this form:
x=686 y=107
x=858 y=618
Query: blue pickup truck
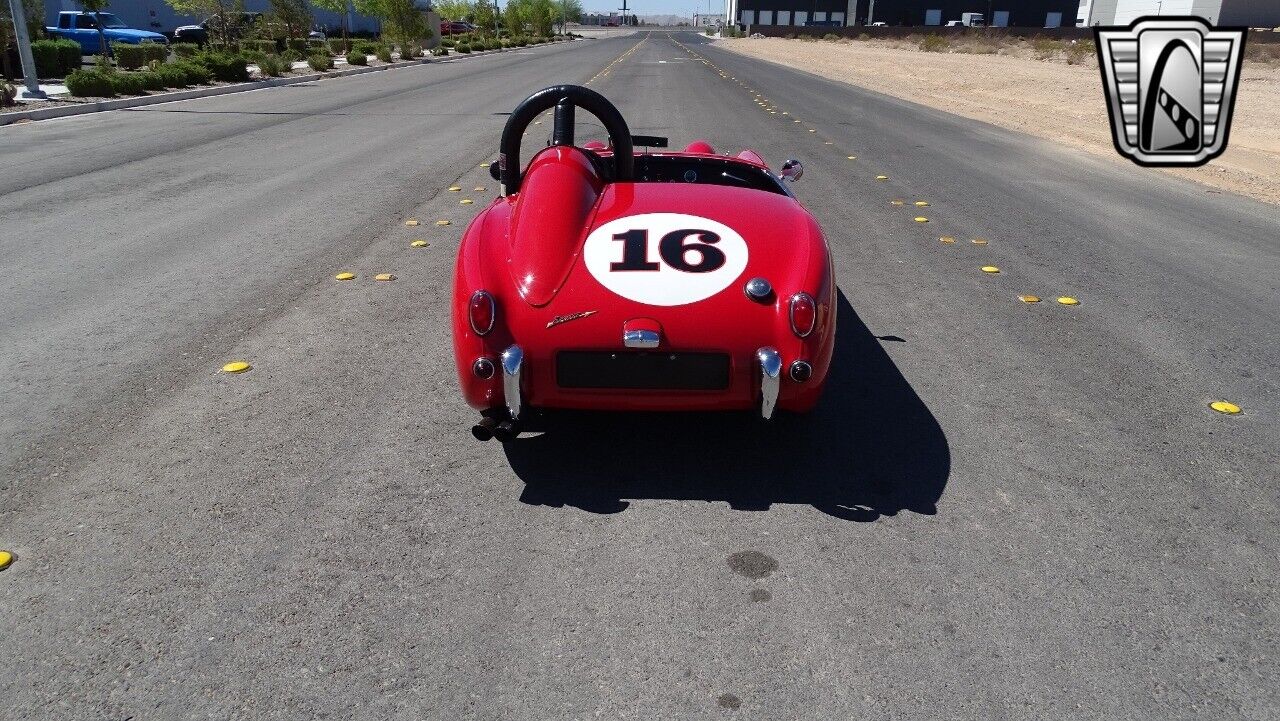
x=83 y=28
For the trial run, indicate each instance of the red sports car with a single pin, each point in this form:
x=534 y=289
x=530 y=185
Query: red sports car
x=608 y=279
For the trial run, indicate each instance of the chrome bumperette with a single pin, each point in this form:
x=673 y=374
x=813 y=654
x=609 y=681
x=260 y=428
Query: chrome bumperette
x=640 y=338
x=512 y=363
x=770 y=379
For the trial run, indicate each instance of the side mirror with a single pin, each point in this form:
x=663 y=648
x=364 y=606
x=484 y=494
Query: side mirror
x=792 y=170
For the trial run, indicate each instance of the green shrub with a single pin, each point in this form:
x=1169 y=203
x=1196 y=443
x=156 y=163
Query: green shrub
x=55 y=58
x=934 y=44
x=1079 y=51
x=337 y=46
x=320 y=62
x=266 y=47
x=298 y=45
x=463 y=48
x=448 y=43
x=226 y=67
x=185 y=50
x=364 y=46
x=151 y=80
x=290 y=56
x=493 y=44
x=440 y=51
x=1045 y=48
x=355 y=58
x=132 y=57
x=273 y=66
x=253 y=56
x=384 y=53
x=127 y=83
x=90 y=84
x=193 y=73
x=171 y=75
x=409 y=52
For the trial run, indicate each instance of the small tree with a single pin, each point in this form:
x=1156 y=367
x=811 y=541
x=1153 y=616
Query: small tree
x=570 y=11
x=210 y=9
x=402 y=21
x=454 y=9
x=340 y=7
x=294 y=15
x=96 y=7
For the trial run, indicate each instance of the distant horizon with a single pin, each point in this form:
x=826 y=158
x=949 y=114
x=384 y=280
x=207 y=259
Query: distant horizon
x=641 y=8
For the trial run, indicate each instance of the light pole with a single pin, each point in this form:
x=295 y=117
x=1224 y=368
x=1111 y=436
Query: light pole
x=19 y=16
x=871 y=12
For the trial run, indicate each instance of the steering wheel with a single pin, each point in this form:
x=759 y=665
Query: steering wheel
x=564 y=98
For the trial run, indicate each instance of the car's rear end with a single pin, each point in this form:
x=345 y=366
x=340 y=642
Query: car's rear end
x=658 y=297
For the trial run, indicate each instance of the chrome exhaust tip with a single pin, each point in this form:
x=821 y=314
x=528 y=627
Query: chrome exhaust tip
x=506 y=431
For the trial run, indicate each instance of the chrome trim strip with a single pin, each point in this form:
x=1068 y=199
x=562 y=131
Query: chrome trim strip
x=770 y=379
x=512 y=362
x=640 y=338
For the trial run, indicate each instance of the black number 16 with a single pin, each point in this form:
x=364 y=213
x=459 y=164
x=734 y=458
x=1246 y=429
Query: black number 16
x=673 y=248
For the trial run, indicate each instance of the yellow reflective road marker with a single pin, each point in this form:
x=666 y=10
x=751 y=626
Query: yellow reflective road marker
x=990 y=269
x=922 y=203
x=947 y=239
x=236 y=367
x=411 y=221
x=484 y=165
x=455 y=188
x=812 y=130
x=1029 y=298
x=1219 y=406
x=466 y=201
x=345 y=276
x=442 y=222
x=882 y=177
x=6 y=558
x=853 y=157
x=897 y=201
x=921 y=219
x=419 y=244
x=384 y=276
x=479 y=188
x=827 y=142
x=979 y=241
x=1068 y=300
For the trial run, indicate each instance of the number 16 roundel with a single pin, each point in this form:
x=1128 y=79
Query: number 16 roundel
x=665 y=258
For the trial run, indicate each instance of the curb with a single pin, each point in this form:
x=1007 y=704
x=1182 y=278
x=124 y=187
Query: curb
x=123 y=103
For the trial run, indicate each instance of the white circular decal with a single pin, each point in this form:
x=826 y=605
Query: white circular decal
x=665 y=258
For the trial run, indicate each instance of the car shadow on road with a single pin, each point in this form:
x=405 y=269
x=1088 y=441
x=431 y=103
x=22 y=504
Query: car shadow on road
x=871 y=448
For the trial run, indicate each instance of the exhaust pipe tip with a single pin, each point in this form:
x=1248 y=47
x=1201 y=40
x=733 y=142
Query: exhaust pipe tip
x=484 y=430
x=506 y=432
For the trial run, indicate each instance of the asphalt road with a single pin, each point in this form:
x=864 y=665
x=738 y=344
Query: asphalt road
x=1000 y=510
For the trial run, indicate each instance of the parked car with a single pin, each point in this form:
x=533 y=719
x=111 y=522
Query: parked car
x=614 y=280
x=82 y=27
x=456 y=28
x=237 y=24
x=878 y=25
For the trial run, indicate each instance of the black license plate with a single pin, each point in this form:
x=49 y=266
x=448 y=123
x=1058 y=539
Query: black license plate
x=643 y=371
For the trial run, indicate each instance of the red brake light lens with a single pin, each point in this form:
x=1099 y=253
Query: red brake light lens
x=482 y=312
x=804 y=314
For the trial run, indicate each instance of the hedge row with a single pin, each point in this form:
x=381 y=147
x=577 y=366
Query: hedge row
x=132 y=57
x=102 y=83
x=55 y=58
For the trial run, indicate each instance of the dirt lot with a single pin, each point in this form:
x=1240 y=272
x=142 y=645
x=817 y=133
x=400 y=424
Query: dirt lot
x=1034 y=90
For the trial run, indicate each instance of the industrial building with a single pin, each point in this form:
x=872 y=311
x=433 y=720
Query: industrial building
x=1239 y=13
x=997 y=13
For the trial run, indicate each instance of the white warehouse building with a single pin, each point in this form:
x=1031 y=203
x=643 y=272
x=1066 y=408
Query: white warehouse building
x=1246 y=13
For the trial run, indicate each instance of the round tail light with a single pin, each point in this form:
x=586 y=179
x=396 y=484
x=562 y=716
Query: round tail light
x=482 y=312
x=804 y=314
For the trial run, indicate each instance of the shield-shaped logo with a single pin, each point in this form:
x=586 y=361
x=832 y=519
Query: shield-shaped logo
x=1170 y=85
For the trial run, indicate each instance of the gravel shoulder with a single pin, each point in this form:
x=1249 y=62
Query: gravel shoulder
x=1046 y=98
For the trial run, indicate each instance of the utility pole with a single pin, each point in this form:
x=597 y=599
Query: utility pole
x=624 y=13
x=33 y=90
x=871 y=12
